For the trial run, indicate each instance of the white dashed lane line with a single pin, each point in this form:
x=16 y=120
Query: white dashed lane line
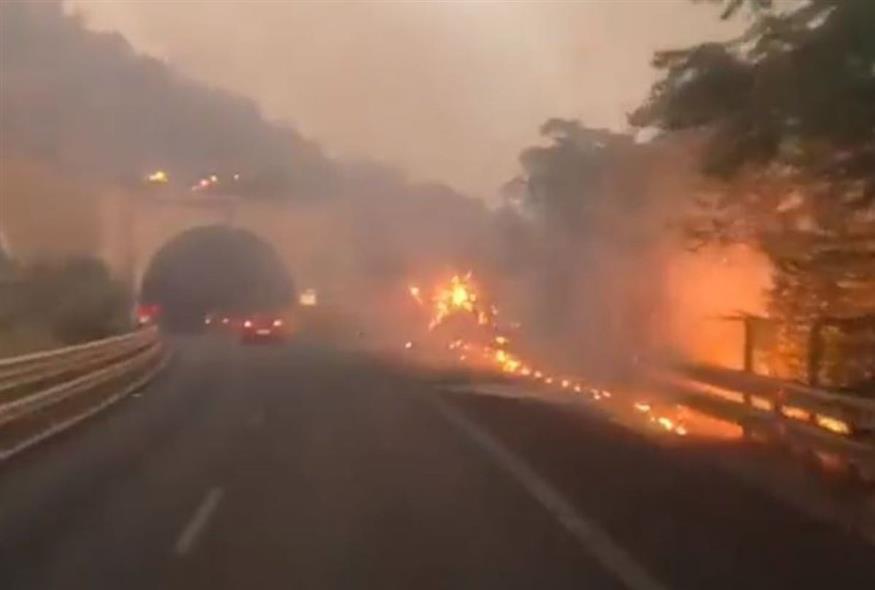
x=590 y=536
x=189 y=536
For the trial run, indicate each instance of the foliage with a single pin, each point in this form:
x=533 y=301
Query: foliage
x=564 y=182
x=590 y=239
x=77 y=299
x=789 y=113
x=796 y=92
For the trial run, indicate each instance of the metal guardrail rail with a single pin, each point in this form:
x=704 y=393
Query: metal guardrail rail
x=838 y=421
x=835 y=412
x=46 y=392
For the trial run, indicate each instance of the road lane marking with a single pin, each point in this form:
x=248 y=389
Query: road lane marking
x=199 y=520
x=588 y=534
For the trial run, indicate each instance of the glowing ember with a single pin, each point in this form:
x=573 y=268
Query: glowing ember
x=796 y=413
x=665 y=423
x=415 y=293
x=833 y=424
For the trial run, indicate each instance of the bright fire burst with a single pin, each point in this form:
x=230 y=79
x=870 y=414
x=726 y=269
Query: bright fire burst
x=483 y=343
x=458 y=296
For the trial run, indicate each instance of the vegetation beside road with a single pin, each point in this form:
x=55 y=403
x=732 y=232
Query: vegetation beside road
x=50 y=304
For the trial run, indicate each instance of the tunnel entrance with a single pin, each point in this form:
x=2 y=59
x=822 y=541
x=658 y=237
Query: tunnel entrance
x=215 y=269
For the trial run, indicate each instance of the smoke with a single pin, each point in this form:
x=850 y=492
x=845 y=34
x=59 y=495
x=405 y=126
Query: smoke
x=84 y=119
x=611 y=284
x=87 y=103
x=583 y=253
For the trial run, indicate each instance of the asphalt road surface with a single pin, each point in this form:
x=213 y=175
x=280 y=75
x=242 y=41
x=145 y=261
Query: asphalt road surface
x=298 y=467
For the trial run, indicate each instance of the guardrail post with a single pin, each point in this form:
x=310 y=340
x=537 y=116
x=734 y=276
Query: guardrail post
x=815 y=352
x=748 y=344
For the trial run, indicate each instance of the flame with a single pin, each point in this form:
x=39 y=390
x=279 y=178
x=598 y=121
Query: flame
x=460 y=295
x=832 y=424
x=666 y=423
x=415 y=293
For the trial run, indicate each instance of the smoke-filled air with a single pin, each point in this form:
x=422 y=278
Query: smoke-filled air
x=578 y=242
x=400 y=294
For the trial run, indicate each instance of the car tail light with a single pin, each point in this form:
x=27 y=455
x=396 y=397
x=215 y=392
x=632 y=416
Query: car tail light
x=277 y=323
x=247 y=324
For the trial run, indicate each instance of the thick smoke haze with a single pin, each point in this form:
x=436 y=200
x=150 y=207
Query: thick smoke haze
x=448 y=91
x=583 y=255
x=84 y=118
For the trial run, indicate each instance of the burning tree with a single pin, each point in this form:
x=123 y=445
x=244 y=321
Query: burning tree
x=789 y=113
x=597 y=204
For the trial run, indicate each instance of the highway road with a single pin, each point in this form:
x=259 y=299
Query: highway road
x=301 y=467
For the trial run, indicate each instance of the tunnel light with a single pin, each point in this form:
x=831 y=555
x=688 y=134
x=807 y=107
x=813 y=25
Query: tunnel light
x=308 y=298
x=158 y=177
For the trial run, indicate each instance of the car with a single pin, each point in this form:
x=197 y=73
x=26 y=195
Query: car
x=148 y=314
x=263 y=328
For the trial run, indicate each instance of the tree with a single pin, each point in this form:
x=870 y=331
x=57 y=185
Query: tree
x=568 y=182
x=789 y=113
x=77 y=298
x=590 y=239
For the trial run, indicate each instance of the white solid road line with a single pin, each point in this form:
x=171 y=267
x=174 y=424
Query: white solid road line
x=189 y=535
x=590 y=536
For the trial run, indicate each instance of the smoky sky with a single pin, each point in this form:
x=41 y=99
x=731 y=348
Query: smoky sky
x=446 y=91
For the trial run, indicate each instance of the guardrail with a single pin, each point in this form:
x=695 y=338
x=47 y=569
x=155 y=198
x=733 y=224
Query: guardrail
x=829 y=420
x=44 y=393
x=831 y=411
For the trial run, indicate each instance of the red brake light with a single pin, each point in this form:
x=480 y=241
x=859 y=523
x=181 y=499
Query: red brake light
x=277 y=323
x=247 y=324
